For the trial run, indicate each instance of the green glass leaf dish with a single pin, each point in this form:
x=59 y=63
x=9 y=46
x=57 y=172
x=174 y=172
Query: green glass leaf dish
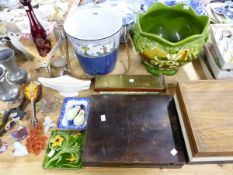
x=167 y=37
x=64 y=150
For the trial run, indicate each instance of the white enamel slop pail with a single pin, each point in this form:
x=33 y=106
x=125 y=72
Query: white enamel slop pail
x=94 y=34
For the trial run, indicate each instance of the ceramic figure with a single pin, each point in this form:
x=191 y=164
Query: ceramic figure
x=169 y=37
x=94 y=34
x=48 y=123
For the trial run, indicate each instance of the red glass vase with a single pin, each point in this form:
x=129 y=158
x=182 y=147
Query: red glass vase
x=40 y=38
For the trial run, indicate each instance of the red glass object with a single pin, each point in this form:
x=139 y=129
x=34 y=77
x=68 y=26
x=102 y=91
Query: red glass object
x=40 y=38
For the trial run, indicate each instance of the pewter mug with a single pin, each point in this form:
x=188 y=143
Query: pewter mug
x=14 y=73
x=8 y=91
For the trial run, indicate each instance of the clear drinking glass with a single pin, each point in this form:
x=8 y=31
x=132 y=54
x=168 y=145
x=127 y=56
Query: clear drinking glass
x=16 y=129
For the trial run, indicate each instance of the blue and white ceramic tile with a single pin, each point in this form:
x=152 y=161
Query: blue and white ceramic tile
x=71 y=102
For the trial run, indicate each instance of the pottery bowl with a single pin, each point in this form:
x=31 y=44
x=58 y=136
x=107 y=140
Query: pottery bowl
x=168 y=37
x=94 y=34
x=127 y=9
x=197 y=5
x=10 y=4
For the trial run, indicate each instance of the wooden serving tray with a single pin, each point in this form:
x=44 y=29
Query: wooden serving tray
x=206 y=118
x=133 y=130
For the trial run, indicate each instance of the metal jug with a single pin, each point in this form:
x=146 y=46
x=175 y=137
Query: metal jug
x=8 y=91
x=14 y=73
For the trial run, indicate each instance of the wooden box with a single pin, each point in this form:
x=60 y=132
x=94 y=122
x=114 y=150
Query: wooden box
x=133 y=130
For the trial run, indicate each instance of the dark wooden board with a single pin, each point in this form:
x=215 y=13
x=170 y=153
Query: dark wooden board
x=139 y=130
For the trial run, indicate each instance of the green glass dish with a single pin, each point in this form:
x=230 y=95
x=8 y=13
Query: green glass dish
x=168 y=37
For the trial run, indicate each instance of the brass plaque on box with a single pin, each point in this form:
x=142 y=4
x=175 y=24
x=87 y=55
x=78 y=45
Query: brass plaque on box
x=138 y=83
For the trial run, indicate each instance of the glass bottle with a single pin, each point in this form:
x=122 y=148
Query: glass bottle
x=38 y=33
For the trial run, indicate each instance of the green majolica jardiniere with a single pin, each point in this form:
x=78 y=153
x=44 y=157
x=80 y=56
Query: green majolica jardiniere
x=167 y=37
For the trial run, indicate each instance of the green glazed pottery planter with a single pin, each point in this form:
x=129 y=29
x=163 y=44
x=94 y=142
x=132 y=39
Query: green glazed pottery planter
x=168 y=37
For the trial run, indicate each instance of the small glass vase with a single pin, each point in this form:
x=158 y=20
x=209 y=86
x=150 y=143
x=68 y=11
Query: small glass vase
x=40 y=38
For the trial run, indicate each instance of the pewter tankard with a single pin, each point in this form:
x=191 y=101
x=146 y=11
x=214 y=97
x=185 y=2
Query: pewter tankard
x=8 y=91
x=14 y=73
